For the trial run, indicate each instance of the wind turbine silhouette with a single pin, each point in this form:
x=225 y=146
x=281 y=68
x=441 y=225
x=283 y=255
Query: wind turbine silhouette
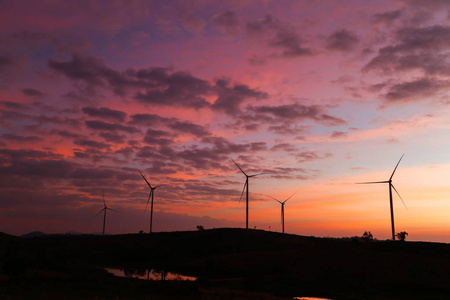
x=391 y=186
x=152 y=193
x=105 y=208
x=245 y=189
x=282 y=207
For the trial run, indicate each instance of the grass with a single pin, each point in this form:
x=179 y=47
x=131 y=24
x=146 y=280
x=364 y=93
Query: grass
x=230 y=264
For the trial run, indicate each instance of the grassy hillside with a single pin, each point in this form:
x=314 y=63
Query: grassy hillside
x=230 y=264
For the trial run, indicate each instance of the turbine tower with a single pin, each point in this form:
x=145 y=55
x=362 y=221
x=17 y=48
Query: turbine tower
x=391 y=186
x=245 y=189
x=105 y=208
x=282 y=208
x=152 y=193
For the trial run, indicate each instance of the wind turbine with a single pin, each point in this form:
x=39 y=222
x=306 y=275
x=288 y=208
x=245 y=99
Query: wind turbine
x=282 y=208
x=152 y=193
x=105 y=208
x=391 y=186
x=245 y=189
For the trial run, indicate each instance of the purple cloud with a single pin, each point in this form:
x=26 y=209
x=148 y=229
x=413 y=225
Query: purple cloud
x=190 y=128
x=227 y=21
x=105 y=113
x=296 y=112
x=278 y=35
x=342 y=40
x=33 y=93
x=416 y=90
x=100 y=125
x=231 y=97
x=20 y=139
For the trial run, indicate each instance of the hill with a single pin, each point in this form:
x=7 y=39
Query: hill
x=238 y=263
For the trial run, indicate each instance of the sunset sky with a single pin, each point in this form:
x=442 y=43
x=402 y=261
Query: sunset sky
x=317 y=95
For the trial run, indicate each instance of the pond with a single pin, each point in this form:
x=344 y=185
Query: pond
x=309 y=298
x=148 y=274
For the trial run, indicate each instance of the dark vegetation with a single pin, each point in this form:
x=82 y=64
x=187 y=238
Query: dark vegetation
x=230 y=264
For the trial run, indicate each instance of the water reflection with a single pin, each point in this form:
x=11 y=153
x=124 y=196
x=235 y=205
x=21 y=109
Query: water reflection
x=148 y=274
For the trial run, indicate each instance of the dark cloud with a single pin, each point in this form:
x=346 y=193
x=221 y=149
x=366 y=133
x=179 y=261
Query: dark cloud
x=305 y=156
x=230 y=97
x=278 y=35
x=189 y=128
x=33 y=93
x=105 y=113
x=290 y=173
x=14 y=105
x=113 y=138
x=416 y=90
x=6 y=63
x=338 y=134
x=190 y=21
x=158 y=138
x=68 y=134
x=223 y=146
x=20 y=139
x=149 y=120
x=417 y=48
x=156 y=85
x=387 y=17
x=100 y=125
x=94 y=72
x=285 y=147
x=342 y=40
x=227 y=21
x=179 y=88
x=91 y=144
x=297 y=112
x=31 y=163
x=259 y=146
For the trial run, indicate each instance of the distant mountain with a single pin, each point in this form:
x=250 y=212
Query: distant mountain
x=5 y=235
x=33 y=234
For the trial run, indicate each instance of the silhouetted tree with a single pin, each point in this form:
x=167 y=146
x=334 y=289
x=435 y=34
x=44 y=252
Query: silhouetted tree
x=367 y=236
x=402 y=235
x=200 y=228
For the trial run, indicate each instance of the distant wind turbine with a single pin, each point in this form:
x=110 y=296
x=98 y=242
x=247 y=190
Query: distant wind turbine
x=282 y=208
x=245 y=189
x=105 y=208
x=152 y=193
x=391 y=186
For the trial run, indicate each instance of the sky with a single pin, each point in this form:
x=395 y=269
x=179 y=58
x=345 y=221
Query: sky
x=315 y=95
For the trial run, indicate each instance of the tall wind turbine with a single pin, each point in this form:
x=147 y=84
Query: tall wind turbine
x=152 y=193
x=105 y=208
x=245 y=189
x=282 y=207
x=391 y=186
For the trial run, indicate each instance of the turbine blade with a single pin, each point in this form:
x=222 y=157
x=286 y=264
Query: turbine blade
x=396 y=167
x=399 y=195
x=275 y=199
x=99 y=212
x=145 y=180
x=370 y=182
x=104 y=203
x=239 y=167
x=289 y=198
x=158 y=186
x=256 y=175
x=245 y=185
x=112 y=209
x=149 y=195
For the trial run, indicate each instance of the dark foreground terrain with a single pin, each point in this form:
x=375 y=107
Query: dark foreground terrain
x=229 y=264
